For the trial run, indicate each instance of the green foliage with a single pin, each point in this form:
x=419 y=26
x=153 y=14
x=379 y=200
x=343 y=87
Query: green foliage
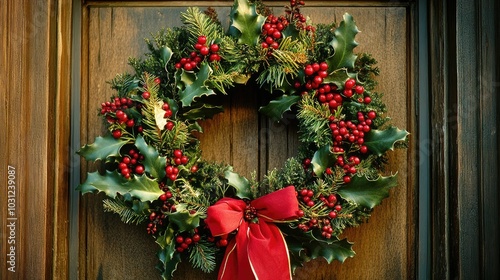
x=276 y=108
x=314 y=123
x=114 y=184
x=168 y=256
x=324 y=35
x=380 y=141
x=240 y=183
x=194 y=85
x=202 y=256
x=304 y=247
x=127 y=213
x=343 y=44
x=102 y=148
x=200 y=24
x=366 y=192
x=322 y=159
x=154 y=164
x=246 y=23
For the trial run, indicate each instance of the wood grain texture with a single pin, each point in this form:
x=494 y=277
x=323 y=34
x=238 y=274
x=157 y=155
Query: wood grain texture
x=250 y=143
x=36 y=136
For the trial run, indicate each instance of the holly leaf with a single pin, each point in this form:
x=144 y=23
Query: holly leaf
x=276 y=108
x=205 y=111
x=195 y=85
x=343 y=44
x=165 y=55
x=112 y=184
x=159 y=116
x=240 y=183
x=154 y=164
x=337 y=250
x=338 y=77
x=380 y=141
x=102 y=148
x=246 y=23
x=168 y=256
x=185 y=220
x=304 y=247
x=366 y=192
x=321 y=160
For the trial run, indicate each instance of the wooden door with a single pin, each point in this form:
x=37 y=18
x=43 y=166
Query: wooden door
x=385 y=246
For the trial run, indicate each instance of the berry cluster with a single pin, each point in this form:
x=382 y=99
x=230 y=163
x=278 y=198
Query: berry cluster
x=168 y=113
x=155 y=219
x=114 y=111
x=172 y=168
x=315 y=73
x=130 y=164
x=297 y=17
x=201 y=50
x=185 y=240
x=271 y=32
x=323 y=222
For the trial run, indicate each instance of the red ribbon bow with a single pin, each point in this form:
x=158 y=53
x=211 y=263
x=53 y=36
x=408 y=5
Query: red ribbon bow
x=259 y=249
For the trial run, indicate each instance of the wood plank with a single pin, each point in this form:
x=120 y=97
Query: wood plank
x=36 y=126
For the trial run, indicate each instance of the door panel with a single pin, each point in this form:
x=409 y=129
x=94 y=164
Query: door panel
x=385 y=246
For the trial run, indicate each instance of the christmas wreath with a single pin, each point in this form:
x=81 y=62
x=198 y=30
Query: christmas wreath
x=153 y=172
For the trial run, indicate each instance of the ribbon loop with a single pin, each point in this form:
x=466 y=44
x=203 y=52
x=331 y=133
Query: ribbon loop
x=259 y=249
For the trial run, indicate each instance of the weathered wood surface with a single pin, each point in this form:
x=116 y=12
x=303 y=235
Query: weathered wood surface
x=34 y=75
x=385 y=246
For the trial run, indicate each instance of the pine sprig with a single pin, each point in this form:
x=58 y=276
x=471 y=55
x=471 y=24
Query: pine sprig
x=152 y=133
x=199 y=24
x=202 y=256
x=314 y=122
x=126 y=213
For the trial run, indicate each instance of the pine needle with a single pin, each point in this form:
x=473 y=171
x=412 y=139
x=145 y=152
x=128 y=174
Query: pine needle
x=127 y=214
x=203 y=256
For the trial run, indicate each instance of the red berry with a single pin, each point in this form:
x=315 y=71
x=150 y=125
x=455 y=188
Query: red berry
x=157 y=81
x=276 y=34
x=177 y=153
x=347 y=179
x=323 y=66
x=214 y=48
x=188 y=67
x=163 y=197
x=204 y=50
x=117 y=133
x=146 y=95
x=223 y=242
x=367 y=100
x=359 y=89
x=139 y=169
x=130 y=123
x=300 y=213
x=363 y=149
x=315 y=67
x=372 y=115
x=318 y=80
x=196 y=238
x=169 y=125
x=179 y=239
x=202 y=40
x=309 y=70
x=194 y=168
x=332 y=214
x=350 y=83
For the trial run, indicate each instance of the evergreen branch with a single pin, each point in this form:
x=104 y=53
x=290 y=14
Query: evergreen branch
x=202 y=256
x=126 y=213
x=199 y=24
x=220 y=79
x=152 y=133
x=314 y=122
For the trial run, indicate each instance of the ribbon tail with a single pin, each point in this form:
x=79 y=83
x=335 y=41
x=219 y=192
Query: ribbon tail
x=268 y=253
x=235 y=264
